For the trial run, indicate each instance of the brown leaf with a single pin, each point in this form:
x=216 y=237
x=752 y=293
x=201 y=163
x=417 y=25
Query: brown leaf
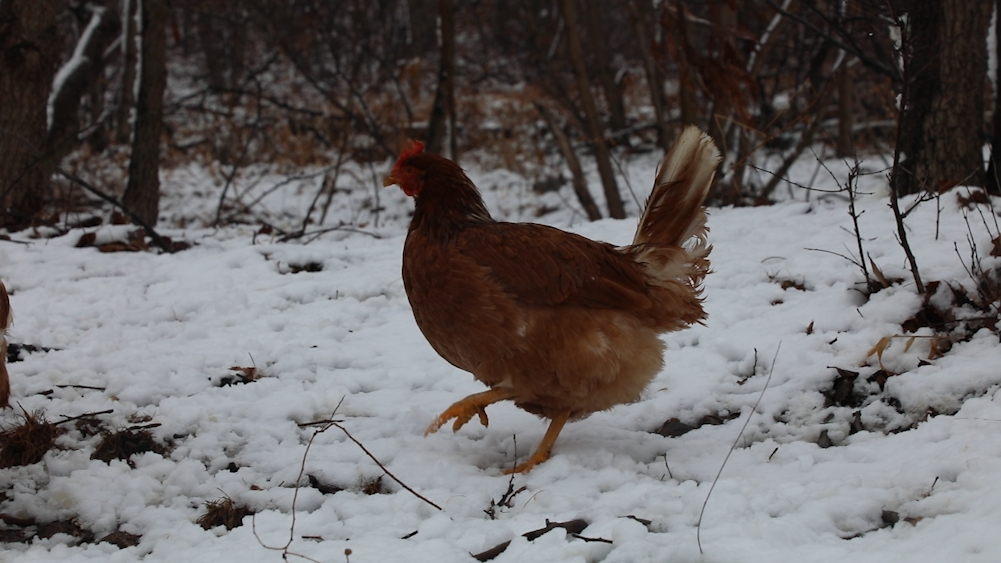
x=121 y=539
x=879 y=274
x=878 y=350
x=86 y=239
x=842 y=391
x=880 y=378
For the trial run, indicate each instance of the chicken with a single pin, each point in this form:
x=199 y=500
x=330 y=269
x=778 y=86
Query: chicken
x=561 y=325
x=6 y=318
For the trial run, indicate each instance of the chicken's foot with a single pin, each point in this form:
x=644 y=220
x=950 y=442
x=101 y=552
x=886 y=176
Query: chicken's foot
x=464 y=410
x=545 y=447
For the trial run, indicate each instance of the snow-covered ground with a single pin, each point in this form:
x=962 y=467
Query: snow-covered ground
x=907 y=473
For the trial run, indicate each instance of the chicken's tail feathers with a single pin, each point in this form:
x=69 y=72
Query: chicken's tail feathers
x=674 y=212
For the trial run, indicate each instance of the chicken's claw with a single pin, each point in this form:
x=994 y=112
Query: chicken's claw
x=462 y=414
x=536 y=459
x=462 y=411
x=545 y=447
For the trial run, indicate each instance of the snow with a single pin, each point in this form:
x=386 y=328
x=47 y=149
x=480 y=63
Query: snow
x=152 y=338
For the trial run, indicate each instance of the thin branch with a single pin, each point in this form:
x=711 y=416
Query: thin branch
x=84 y=415
x=862 y=54
x=896 y=170
x=381 y=466
x=573 y=528
x=313 y=235
x=698 y=525
x=158 y=240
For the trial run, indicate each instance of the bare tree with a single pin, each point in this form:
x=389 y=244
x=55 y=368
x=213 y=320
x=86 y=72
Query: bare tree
x=77 y=78
x=595 y=127
x=30 y=50
x=441 y=125
x=993 y=181
x=142 y=193
x=942 y=130
x=639 y=20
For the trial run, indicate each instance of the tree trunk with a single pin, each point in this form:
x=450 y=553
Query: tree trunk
x=846 y=111
x=686 y=75
x=29 y=56
x=654 y=76
x=142 y=193
x=209 y=34
x=127 y=98
x=576 y=172
x=421 y=32
x=597 y=31
x=596 y=130
x=76 y=79
x=441 y=125
x=446 y=9
x=943 y=120
x=993 y=181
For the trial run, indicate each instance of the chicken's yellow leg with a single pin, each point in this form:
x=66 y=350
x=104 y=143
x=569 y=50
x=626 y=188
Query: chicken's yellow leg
x=464 y=410
x=545 y=447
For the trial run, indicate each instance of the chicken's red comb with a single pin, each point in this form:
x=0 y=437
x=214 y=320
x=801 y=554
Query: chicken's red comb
x=413 y=147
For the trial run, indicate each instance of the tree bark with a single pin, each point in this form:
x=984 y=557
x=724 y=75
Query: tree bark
x=597 y=30
x=576 y=172
x=77 y=79
x=654 y=76
x=142 y=193
x=422 y=26
x=686 y=75
x=846 y=111
x=441 y=125
x=127 y=98
x=29 y=56
x=213 y=49
x=993 y=181
x=596 y=129
x=943 y=120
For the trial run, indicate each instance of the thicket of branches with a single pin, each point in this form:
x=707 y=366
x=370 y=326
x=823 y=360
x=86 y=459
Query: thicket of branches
x=531 y=85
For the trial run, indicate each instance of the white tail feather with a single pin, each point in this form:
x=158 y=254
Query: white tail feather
x=673 y=213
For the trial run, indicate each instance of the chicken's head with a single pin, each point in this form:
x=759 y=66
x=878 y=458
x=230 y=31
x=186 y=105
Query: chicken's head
x=406 y=175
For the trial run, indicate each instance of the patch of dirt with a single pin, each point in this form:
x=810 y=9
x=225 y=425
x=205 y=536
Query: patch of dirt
x=126 y=443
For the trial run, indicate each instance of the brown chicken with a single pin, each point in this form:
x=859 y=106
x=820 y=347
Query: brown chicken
x=6 y=318
x=562 y=325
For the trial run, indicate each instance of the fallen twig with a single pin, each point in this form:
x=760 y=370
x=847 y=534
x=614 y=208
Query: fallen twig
x=158 y=240
x=381 y=466
x=698 y=525
x=84 y=415
x=90 y=387
x=506 y=499
x=573 y=527
x=295 y=496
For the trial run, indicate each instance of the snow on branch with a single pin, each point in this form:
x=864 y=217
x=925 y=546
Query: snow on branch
x=73 y=78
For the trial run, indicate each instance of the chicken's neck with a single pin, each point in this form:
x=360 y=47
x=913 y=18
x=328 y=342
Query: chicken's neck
x=445 y=207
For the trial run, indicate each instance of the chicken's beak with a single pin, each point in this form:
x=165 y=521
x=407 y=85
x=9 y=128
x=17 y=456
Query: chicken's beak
x=390 y=180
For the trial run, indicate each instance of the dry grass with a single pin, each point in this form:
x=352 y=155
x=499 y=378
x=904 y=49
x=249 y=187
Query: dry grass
x=27 y=442
x=223 y=512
